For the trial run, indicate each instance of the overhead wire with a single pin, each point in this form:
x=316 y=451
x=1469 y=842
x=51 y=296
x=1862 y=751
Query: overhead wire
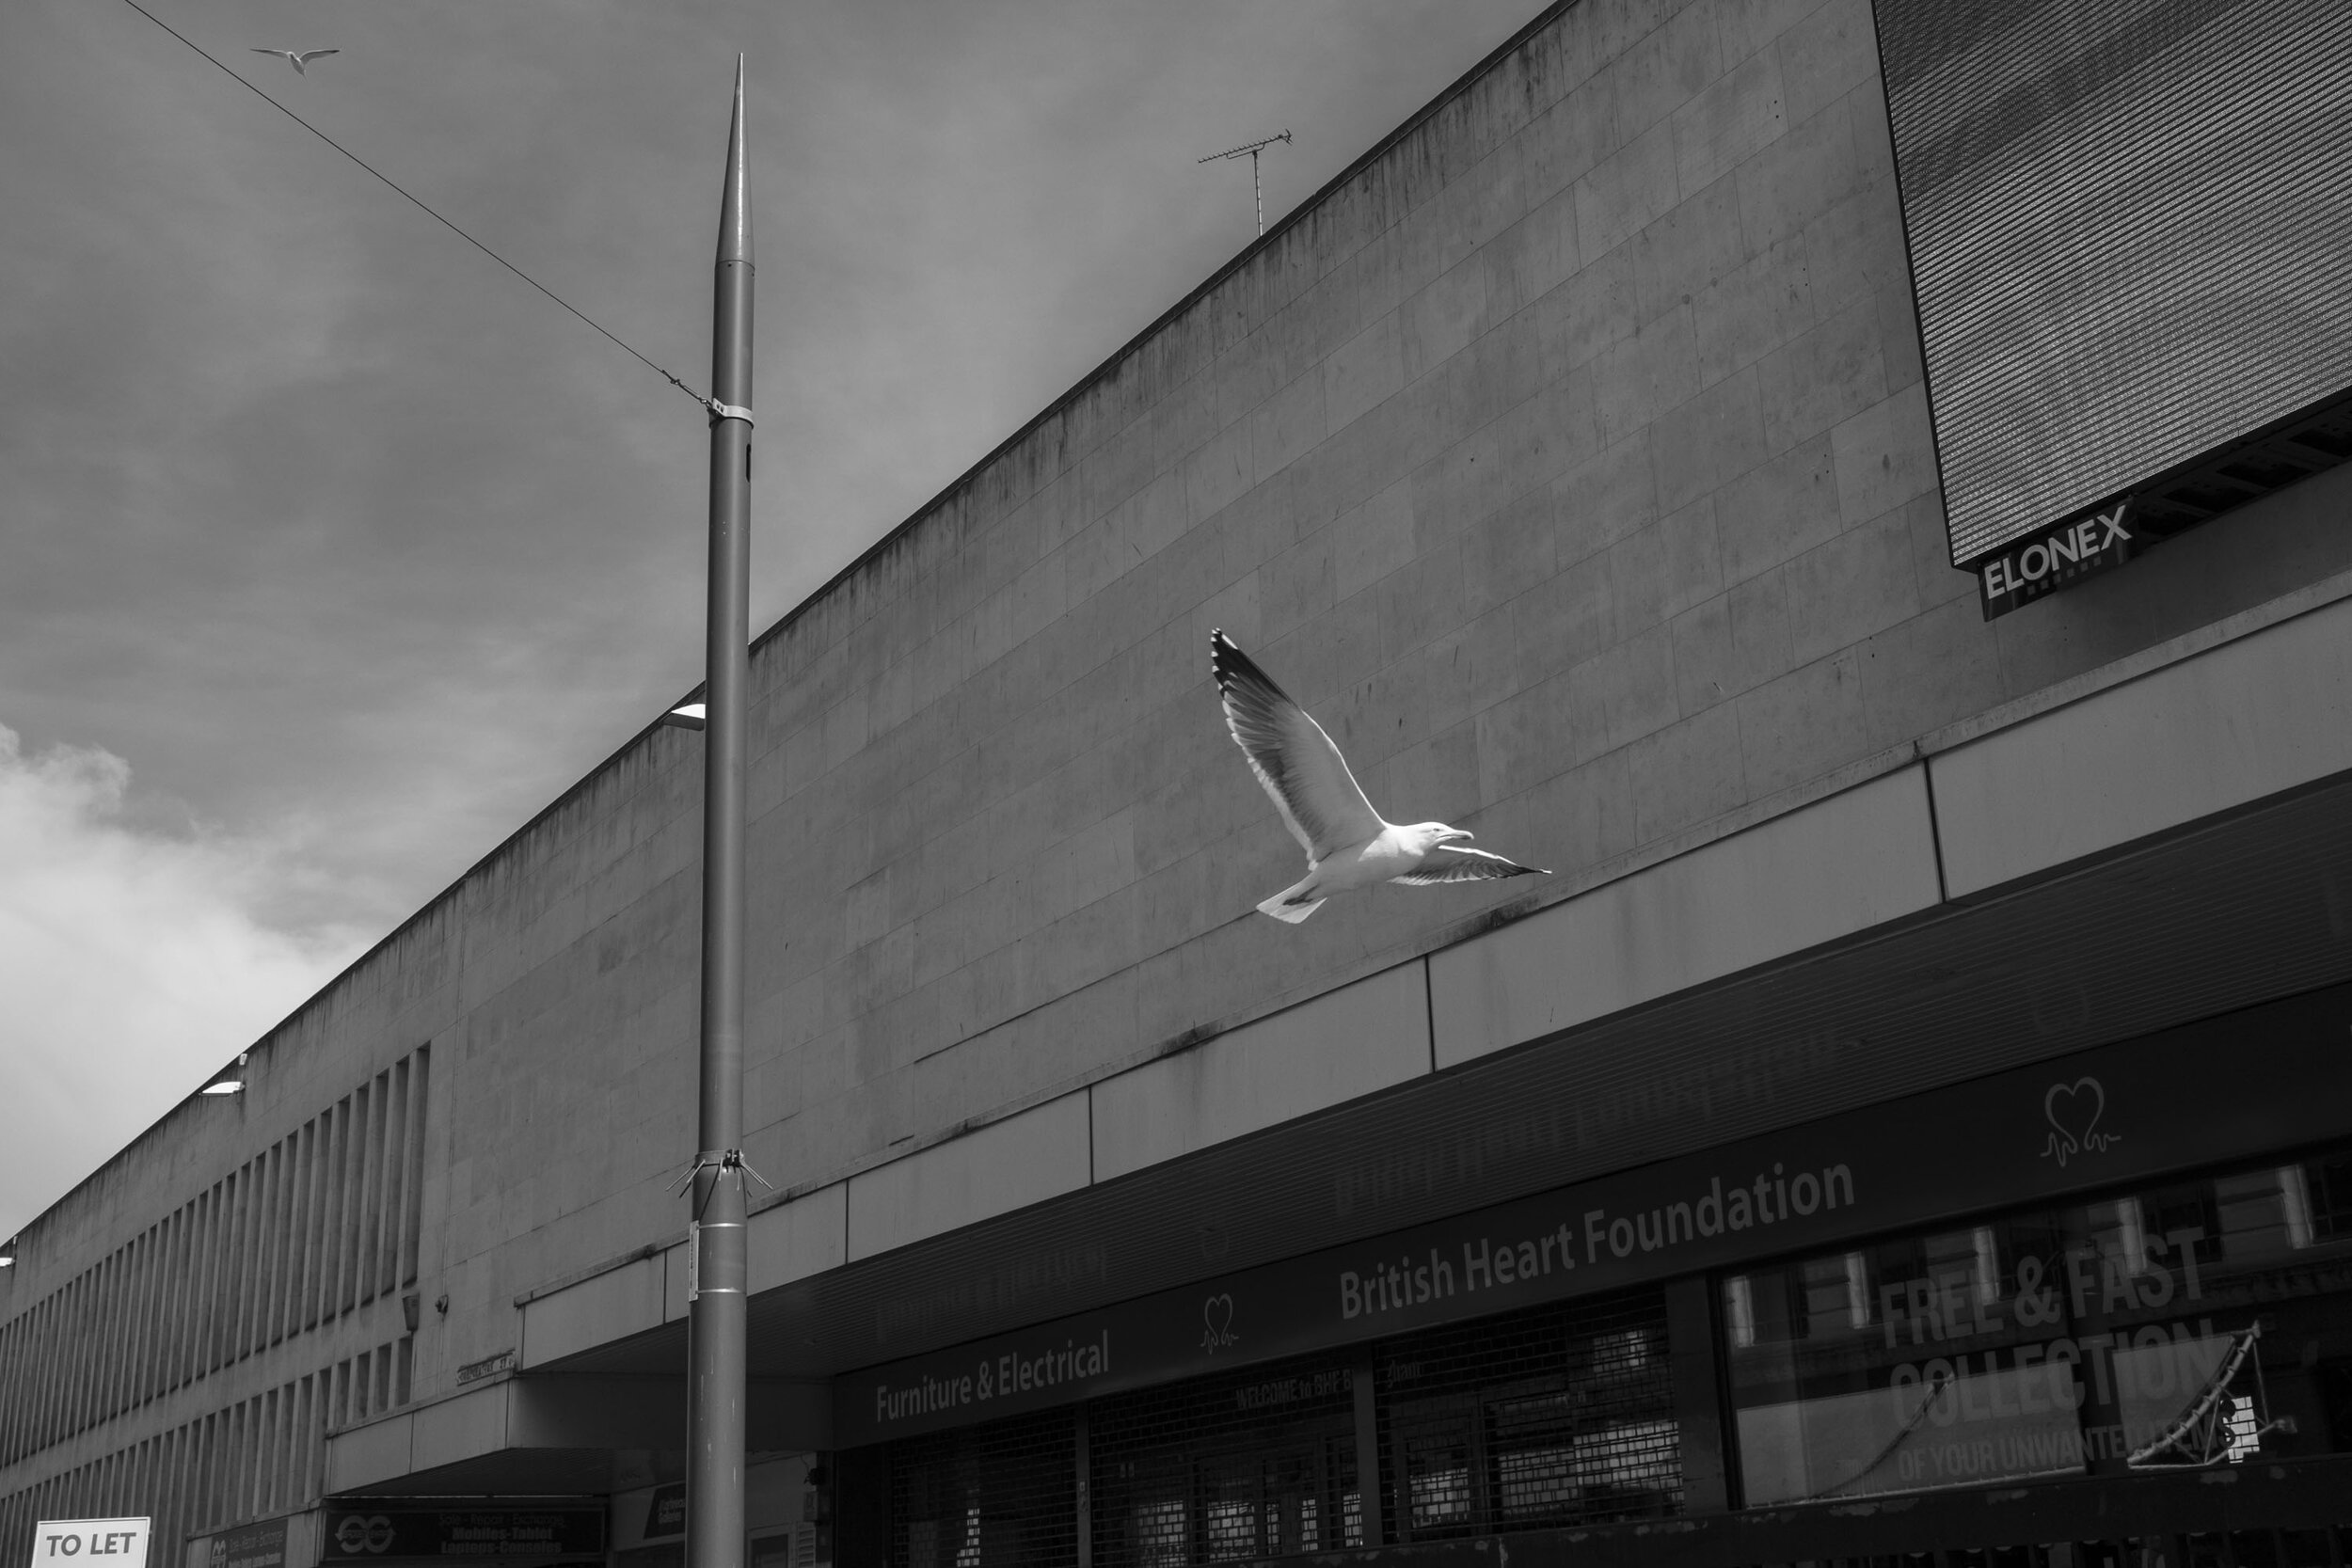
x=417 y=203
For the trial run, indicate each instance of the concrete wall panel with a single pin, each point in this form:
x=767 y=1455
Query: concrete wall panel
x=1838 y=867
x=367 y=1454
x=462 y=1428
x=806 y=1236
x=2250 y=718
x=1343 y=1045
x=1008 y=1164
x=610 y=1305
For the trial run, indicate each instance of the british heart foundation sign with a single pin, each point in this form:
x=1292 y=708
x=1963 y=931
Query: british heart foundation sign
x=91 y=1544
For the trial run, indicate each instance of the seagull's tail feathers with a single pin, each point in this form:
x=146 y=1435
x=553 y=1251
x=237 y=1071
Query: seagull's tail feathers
x=1282 y=908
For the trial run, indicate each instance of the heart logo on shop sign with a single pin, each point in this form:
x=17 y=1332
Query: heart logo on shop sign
x=2072 y=1110
x=1218 y=1314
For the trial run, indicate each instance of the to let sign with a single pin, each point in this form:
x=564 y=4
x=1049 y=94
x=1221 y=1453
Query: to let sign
x=111 y=1543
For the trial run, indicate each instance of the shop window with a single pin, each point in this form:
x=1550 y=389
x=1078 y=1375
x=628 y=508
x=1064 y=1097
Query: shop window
x=2193 y=1323
x=1003 y=1496
x=771 y=1549
x=1537 y=1466
x=1434 y=1438
x=1252 y=1464
x=1560 y=1416
x=1160 y=1536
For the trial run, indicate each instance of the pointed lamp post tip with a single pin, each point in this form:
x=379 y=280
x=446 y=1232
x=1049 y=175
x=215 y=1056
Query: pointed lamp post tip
x=735 y=207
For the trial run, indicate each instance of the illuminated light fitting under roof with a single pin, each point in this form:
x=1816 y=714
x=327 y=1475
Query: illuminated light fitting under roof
x=7 y=1253
x=228 y=1080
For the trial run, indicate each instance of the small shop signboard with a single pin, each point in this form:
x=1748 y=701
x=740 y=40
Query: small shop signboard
x=512 y=1534
x=256 y=1546
x=91 y=1544
x=665 y=1513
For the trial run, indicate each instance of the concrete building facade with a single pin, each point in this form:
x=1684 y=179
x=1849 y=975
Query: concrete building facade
x=1929 y=1015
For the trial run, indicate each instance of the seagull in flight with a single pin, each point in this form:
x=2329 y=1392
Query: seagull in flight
x=1347 y=844
x=295 y=60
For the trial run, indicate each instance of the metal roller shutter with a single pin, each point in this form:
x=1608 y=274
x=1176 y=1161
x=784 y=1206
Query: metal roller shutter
x=1001 y=1496
x=1560 y=1416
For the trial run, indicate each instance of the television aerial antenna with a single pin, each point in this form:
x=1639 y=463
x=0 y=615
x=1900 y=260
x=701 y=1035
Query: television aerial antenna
x=1253 y=148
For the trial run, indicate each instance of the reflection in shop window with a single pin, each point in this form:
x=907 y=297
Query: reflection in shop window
x=1438 y=1481
x=1560 y=1416
x=1629 y=1459
x=2192 y=1324
x=1621 y=1354
x=1534 y=1441
x=1294 y=1512
x=1198 y=1473
x=2295 y=1204
x=1001 y=1496
x=1856 y=1268
x=1230 y=1528
x=1739 y=1311
x=1536 y=1482
x=1161 y=1540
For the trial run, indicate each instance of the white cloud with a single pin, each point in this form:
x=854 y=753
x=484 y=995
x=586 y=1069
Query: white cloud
x=133 y=960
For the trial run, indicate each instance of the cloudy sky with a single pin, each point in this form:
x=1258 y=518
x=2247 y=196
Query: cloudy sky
x=329 y=552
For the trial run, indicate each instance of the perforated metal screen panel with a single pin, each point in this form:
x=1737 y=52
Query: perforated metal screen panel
x=2130 y=225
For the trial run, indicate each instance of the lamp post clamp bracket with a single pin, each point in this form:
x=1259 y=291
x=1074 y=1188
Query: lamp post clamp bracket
x=722 y=1160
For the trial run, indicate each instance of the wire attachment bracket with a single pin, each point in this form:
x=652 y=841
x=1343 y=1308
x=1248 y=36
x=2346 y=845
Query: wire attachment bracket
x=727 y=411
x=722 y=1160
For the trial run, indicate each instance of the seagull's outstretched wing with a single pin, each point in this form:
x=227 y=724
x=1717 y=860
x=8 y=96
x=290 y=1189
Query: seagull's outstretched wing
x=282 y=53
x=309 y=55
x=1450 y=862
x=1320 y=800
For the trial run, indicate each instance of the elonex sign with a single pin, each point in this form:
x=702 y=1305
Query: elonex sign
x=101 y=1543
x=2057 y=556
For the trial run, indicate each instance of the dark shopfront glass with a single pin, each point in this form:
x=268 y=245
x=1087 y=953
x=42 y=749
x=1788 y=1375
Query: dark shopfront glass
x=1255 y=1463
x=1001 y=1496
x=1559 y=1416
x=2199 y=1322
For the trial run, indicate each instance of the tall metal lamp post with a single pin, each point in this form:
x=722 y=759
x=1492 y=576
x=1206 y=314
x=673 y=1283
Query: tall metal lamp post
x=715 y=1242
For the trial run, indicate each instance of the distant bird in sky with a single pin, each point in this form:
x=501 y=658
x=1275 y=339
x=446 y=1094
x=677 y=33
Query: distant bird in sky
x=1347 y=844
x=295 y=60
